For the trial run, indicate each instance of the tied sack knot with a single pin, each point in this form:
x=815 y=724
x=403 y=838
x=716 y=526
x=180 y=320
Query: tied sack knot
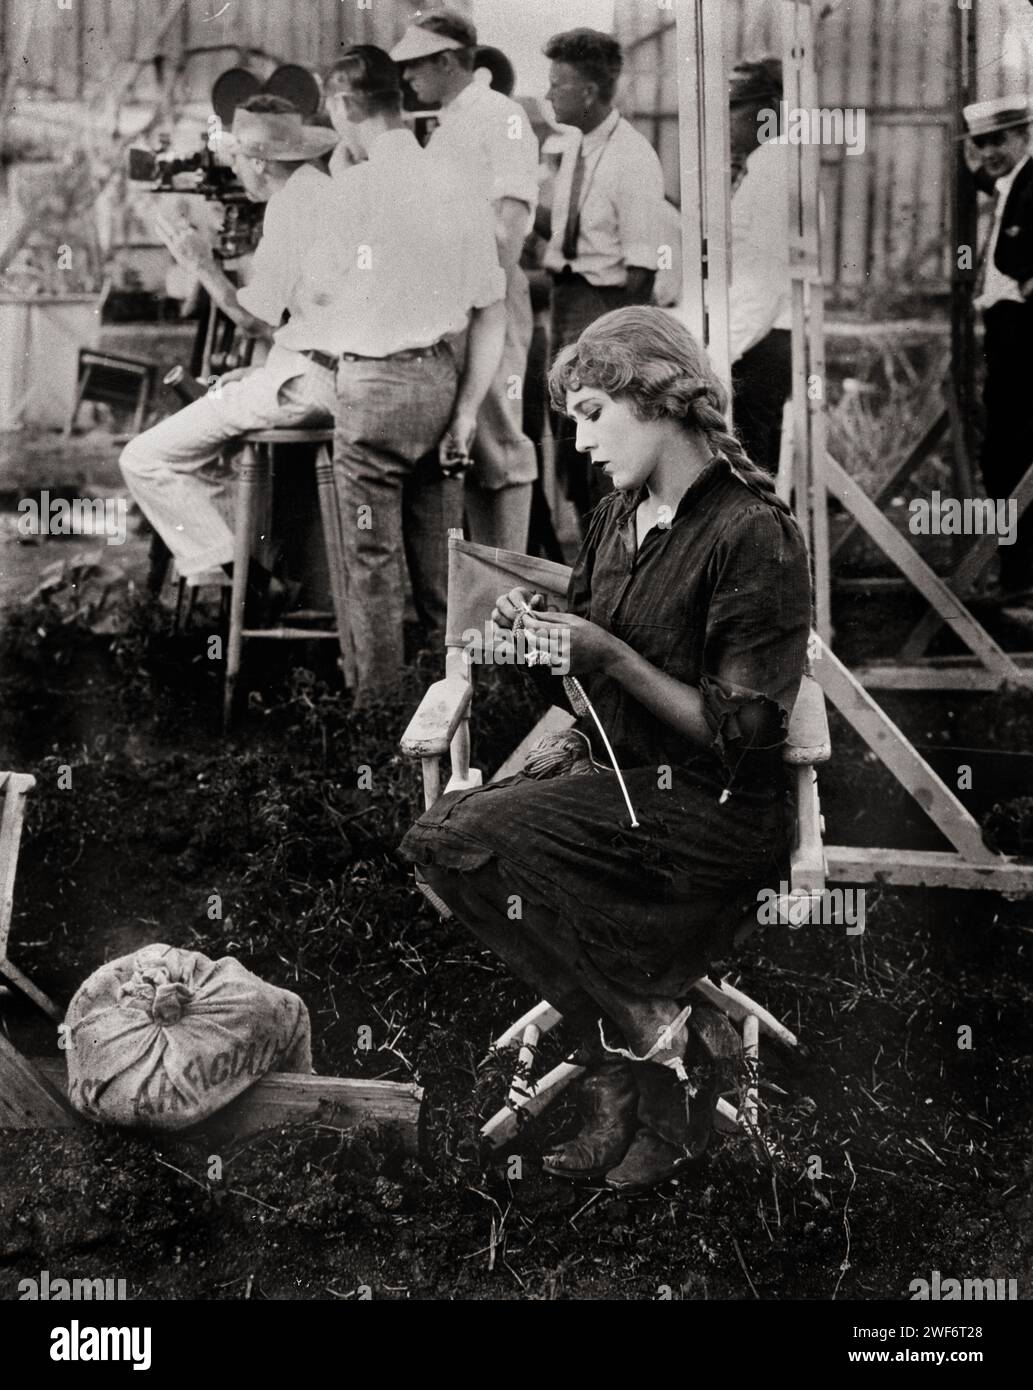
x=154 y=994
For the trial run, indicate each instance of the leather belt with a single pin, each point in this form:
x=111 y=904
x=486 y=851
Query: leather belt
x=396 y=356
x=321 y=359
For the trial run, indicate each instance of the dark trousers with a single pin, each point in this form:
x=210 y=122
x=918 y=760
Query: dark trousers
x=762 y=382
x=576 y=304
x=1008 y=431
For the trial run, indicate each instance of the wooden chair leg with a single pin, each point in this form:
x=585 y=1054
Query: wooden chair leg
x=334 y=543
x=248 y=497
x=181 y=585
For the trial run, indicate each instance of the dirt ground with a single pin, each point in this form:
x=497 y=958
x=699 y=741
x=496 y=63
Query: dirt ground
x=889 y=1150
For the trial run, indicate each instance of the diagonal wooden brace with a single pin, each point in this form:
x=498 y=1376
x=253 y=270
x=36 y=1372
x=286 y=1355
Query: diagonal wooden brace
x=925 y=579
x=977 y=558
x=893 y=749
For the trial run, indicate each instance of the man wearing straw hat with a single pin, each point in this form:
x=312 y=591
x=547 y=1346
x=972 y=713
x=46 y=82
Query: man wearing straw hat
x=174 y=470
x=488 y=137
x=999 y=131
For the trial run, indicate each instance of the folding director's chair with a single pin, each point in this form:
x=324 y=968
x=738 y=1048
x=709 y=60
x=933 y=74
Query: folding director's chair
x=441 y=725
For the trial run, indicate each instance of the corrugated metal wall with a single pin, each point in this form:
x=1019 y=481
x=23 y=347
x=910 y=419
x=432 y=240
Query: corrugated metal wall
x=888 y=209
x=69 y=47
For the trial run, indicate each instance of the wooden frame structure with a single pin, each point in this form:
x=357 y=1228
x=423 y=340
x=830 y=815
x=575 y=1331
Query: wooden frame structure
x=969 y=863
x=987 y=666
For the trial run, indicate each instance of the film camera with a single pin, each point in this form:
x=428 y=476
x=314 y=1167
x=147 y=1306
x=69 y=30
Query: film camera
x=202 y=171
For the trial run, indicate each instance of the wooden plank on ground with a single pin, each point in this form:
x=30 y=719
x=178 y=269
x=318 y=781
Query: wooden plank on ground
x=290 y=1098
x=897 y=754
x=14 y=786
x=28 y=1098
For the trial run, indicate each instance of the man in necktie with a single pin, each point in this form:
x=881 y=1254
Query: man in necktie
x=999 y=131
x=607 y=219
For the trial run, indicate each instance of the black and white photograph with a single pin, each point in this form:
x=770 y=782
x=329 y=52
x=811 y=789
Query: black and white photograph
x=516 y=672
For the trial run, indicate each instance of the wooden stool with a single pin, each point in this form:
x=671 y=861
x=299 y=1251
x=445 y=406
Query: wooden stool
x=255 y=475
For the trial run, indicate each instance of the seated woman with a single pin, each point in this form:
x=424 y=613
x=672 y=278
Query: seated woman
x=687 y=620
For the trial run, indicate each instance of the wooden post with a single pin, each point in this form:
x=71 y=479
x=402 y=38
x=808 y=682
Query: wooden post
x=705 y=192
x=809 y=375
x=961 y=389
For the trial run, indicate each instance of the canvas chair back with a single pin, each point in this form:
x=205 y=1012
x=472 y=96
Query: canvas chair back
x=478 y=574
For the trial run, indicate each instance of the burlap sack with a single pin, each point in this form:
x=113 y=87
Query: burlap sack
x=163 y=1038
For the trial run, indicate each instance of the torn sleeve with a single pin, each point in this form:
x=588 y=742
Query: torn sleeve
x=740 y=721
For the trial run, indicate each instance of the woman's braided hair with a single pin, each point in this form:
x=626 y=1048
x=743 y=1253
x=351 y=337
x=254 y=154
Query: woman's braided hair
x=649 y=358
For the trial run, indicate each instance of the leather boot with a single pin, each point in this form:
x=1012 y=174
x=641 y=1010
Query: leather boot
x=674 y=1128
x=607 y=1103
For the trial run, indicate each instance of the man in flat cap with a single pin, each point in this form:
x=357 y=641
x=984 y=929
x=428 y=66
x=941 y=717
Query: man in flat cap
x=999 y=131
x=759 y=297
x=488 y=137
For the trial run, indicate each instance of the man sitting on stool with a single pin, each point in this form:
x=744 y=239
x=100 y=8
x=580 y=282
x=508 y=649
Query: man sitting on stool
x=174 y=470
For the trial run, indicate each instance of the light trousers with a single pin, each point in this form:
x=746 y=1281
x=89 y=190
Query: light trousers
x=176 y=472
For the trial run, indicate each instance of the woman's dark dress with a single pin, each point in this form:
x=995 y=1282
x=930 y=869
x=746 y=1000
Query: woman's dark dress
x=720 y=599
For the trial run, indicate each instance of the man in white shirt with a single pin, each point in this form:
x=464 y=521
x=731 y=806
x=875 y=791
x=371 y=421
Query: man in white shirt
x=607 y=216
x=488 y=137
x=410 y=261
x=759 y=294
x=1000 y=131
x=175 y=470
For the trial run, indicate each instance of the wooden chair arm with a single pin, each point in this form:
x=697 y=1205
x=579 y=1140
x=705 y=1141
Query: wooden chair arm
x=807 y=741
x=441 y=711
x=807 y=871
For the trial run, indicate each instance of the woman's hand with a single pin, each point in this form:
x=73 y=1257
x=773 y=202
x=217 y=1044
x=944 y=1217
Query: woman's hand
x=507 y=606
x=573 y=645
